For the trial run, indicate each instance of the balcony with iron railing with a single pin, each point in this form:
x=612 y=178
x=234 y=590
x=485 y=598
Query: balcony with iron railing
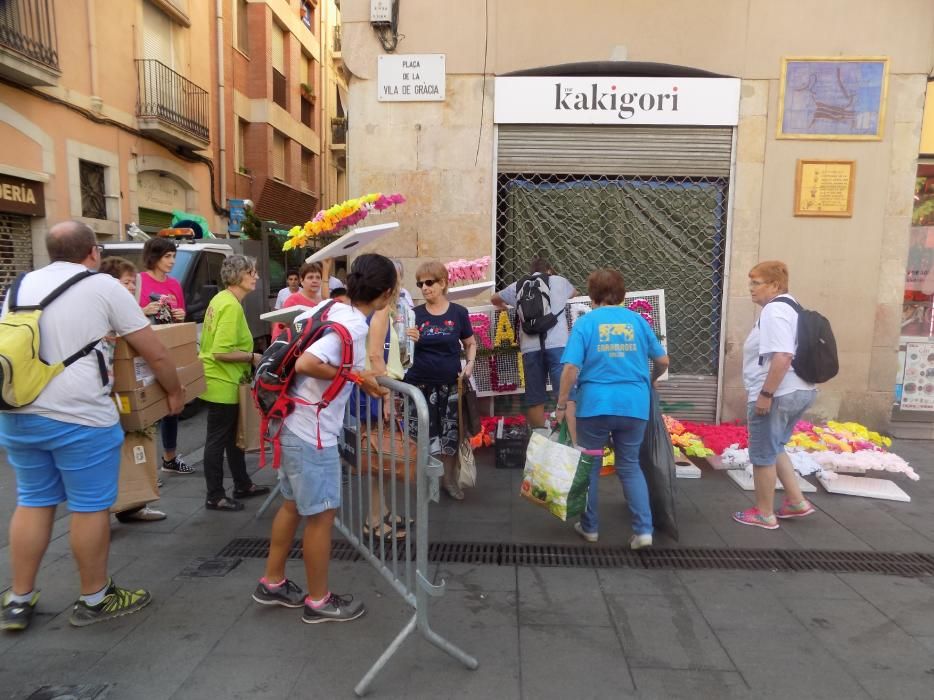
x=28 y=43
x=170 y=107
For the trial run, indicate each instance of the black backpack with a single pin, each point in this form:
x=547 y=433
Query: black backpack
x=533 y=305
x=816 y=359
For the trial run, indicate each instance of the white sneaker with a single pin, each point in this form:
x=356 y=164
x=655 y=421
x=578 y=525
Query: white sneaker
x=589 y=536
x=144 y=514
x=640 y=541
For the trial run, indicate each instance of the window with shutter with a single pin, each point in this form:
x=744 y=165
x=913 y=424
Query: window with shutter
x=278 y=156
x=157 y=35
x=278 y=49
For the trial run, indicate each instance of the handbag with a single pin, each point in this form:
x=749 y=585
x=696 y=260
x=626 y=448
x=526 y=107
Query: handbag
x=467 y=465
x=393 y=452
x=249 y=420
x=469 y=412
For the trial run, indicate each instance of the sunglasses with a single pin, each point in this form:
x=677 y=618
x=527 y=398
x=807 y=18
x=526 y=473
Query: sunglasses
x=425 y=283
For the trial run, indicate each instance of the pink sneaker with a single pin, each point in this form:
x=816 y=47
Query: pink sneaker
x=752 y=516
x=794 y=510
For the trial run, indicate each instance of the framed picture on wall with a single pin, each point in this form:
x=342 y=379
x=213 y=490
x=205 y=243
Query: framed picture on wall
x=833 y=98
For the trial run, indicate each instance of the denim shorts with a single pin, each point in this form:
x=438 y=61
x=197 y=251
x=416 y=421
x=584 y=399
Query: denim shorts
x=309 y=476
x=769 y=433
x=57 y=462
x=538 y=368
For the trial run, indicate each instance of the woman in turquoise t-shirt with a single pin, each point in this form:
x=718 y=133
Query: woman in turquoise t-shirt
x=608 y=355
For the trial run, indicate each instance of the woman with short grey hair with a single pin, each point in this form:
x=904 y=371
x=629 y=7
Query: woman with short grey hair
x=228 y=357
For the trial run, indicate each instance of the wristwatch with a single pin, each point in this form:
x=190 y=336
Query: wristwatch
x=767 y=394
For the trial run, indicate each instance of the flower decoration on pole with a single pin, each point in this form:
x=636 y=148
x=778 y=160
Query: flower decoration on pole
x=336 y=219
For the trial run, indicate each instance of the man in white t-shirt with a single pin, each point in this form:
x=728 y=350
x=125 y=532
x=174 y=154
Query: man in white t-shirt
x=541 y=364
x=292 y=284
x=65 y=446
x=310 y=469
x=776 y=397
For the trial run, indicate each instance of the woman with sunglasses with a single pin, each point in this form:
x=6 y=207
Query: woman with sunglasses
x=441 y=328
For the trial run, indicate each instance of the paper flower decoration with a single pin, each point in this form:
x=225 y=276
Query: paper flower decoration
x=467 y=271
x=336 y=219
x=643 y=308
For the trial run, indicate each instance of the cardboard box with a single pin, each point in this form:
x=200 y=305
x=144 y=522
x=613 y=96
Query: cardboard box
x=133 y=373
x=137 y=473
x=142 y=398
x=144 y=417
x=172 y=335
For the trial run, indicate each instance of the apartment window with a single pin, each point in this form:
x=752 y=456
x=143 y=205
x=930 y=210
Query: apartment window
x=308 y=14
x=243 y=33
x=158 y=31
x=308 y=169
x=279 y=83
x=278 y=156
x=93 y=202
x=240 y=158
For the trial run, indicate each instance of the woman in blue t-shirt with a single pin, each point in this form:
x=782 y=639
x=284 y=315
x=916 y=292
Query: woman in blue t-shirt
x=441 y=328
x=608 y=355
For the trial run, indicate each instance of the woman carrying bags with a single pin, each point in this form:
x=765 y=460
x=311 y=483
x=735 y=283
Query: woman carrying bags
x=161 y=299
x=608 y=356
x=441 y=328
x=228 y=357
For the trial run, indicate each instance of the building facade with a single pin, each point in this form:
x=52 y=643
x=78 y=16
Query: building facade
x=685 y=206
x=282 y=81
x=120 y=113
x=105 y=122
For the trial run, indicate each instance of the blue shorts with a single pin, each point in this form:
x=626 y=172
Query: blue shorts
x=57 y=462
x=769 y=433
x=309 y=476
x=537 y=369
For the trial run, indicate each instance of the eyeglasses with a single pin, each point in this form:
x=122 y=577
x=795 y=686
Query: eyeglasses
x=756 y=283
x=425 y=283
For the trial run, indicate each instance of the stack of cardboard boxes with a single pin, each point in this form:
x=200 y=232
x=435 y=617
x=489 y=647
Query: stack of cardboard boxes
x=141 y=401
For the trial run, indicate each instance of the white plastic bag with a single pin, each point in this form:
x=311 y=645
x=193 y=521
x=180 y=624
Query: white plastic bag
x=467 y=477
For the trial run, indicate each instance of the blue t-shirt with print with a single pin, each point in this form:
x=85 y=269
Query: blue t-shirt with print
x=612 y=346
x=438 y=350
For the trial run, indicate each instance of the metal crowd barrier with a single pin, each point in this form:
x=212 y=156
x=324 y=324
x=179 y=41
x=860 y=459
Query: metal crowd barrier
x=370 y=484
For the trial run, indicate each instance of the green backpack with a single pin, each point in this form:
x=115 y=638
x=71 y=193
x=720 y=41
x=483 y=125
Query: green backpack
x=23 y=374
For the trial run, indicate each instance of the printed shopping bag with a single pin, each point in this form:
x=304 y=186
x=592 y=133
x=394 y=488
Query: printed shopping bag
x=657 y=459
x=556 y=476
x=248 y=421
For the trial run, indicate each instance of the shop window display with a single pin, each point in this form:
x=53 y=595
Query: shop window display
x=915 y=383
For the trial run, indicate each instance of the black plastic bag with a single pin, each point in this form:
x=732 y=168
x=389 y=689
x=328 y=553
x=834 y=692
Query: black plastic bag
x=657 y=459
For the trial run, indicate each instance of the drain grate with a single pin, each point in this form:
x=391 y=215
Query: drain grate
x=258 y=548
x=582 y=556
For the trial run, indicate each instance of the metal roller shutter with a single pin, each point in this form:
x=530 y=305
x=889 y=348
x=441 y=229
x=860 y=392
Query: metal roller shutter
x=650 y=201
x=15 y=249
x=684 y=151
x=154 y=219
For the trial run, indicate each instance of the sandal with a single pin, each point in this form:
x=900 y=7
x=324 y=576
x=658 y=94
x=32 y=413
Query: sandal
x=401 y=523
x=254 y=490
x=385 y=535
x=454 y=491
x=224 y=504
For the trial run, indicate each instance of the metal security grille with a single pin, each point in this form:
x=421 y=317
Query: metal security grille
x=15 y=249
x=650 y=201
x=661 y=233
x=93 y=204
